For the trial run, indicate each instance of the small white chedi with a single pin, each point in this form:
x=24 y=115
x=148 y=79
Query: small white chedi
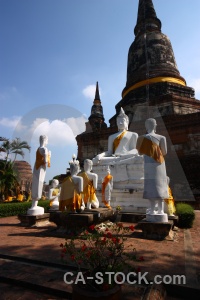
x=154 y=147
x=39 y=172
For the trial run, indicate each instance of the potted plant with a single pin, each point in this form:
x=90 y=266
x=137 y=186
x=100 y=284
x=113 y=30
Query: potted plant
x=100 y=250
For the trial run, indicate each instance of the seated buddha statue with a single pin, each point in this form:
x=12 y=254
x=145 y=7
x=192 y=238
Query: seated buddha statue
x=54 y=194
x=121 y=145
x=71 y=189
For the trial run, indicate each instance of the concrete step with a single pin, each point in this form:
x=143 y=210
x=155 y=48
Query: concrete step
x=33 y=276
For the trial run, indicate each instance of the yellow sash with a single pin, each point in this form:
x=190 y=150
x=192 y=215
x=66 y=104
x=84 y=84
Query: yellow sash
x=117 y=140
x=107 y=178
x=20 y=197
x=69 y=196
x=149 y=148
x=170 y=202
x=39 y=160
x=105 y=182
x=48 y=161
x=88 y=188
x=55 y=192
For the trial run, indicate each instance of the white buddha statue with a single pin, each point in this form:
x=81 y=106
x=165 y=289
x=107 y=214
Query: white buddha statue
x=72 y=189
x=39 y=172
x=90 y=181
x=107 y=187
x=54 y=195
x=154 y=147
x=121 y=145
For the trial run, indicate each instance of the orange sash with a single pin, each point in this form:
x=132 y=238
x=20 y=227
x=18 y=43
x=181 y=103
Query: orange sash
x=39 y=160
x=55 y=192
x=88 y=188
x=107 y=178
x=69 y=196
x=48 y=161
x=117 y=140
x=170 y=202
x=149 y=148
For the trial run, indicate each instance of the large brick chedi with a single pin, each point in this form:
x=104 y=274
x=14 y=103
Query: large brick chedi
x=154 y=88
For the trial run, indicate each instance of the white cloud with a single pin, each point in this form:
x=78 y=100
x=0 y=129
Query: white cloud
x=60 y=133
x=13 y=122
x=77 y=125
x=89 y=91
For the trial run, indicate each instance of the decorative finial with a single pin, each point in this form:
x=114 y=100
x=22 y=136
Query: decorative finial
x=123 y=115
x=73 y=161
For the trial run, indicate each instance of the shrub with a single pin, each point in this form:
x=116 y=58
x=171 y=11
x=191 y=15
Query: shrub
x=185 y=214
x=13 y=209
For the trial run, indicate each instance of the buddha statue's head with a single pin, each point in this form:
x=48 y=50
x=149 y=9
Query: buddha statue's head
x=150 y=124
x=122 y=120
x=74 y=166
x=55 y=183
x=88 y=165
x=43 y=140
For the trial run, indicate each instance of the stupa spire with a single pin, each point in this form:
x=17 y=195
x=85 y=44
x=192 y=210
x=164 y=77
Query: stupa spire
x=147 y=19
x=97 y=96
x=96 y=118
x=151 y=58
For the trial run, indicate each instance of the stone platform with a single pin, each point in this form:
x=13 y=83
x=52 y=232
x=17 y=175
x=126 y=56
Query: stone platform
x=29 y=220
x=156 y=230
x=129 y=200
x=83 y=219
x=129 y=175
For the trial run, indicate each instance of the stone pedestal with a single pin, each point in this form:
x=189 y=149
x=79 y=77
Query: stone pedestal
x=157 y=218
x=155 y=230
x=54 y=207
x=128 y=199
x=35 y=211
x=78 y=220
x=39 y=220
x=128 y=184
x=129 y=175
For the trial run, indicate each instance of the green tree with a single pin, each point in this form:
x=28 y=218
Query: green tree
x=8 y=178
x=15 y=147
x=8 y=175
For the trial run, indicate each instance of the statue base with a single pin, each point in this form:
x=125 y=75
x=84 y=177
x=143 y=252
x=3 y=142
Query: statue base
x=35 y=211
x=157 y=218
x=128 y=184
x=129 y=175
x=31 y=220
x=129 y=200
x=54 y=206
x=156 y=230
x=73 y=221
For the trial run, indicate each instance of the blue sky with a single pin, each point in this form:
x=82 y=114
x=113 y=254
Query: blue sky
x=52 y=52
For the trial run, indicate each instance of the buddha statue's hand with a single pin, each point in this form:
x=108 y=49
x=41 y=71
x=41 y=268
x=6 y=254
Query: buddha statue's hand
x=97 y=158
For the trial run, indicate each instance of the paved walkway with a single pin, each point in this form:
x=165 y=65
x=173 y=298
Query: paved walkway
x=33 y=255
